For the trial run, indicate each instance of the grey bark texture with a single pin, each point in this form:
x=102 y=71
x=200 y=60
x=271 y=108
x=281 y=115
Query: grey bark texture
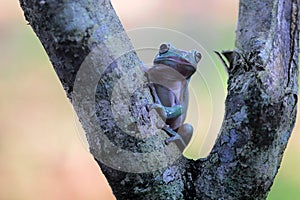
x=260 y=106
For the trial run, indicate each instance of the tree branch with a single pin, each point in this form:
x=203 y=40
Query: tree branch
x=91 y=53
x=101 y=75
x=260 y=106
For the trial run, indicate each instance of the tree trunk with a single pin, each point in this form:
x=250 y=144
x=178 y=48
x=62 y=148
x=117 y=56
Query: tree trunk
x=102 y=77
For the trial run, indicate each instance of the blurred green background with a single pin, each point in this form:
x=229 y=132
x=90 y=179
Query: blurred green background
x=41 y=153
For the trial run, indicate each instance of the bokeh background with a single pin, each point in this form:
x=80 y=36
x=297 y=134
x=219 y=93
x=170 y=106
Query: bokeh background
x=42 y=155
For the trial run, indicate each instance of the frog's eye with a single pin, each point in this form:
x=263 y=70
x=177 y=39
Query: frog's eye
x=164 y=48
x=197 y=56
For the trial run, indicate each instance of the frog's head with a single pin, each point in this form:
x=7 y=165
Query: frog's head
x=185 y=62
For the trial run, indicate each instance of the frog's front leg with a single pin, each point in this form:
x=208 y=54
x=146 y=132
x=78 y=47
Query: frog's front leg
x=182 y=137
x=166 y=112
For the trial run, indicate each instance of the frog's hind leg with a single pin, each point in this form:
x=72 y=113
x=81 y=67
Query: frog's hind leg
x=174 y=137
x=186 y=132
x=182 y=137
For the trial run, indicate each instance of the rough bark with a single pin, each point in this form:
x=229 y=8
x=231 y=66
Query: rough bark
x=92 y=56
x=260 y=106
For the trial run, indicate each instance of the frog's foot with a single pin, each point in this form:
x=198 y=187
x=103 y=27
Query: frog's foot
x=155 y=106
x=160 y=109
x=174 y=137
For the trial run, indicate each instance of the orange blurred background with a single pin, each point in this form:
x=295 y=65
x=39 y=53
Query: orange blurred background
x=41 y=153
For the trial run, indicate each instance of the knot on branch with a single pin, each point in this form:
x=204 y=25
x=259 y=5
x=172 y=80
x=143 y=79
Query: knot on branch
x=241 y=62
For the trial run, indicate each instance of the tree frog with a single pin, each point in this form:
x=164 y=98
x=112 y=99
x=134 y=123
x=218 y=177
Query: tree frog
x=168 y=80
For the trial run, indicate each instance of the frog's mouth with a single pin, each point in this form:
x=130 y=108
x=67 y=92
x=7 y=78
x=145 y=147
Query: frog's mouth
x=181 y=65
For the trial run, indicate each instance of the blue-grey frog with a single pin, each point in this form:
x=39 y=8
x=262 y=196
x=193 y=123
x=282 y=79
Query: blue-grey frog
x=168 y=80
